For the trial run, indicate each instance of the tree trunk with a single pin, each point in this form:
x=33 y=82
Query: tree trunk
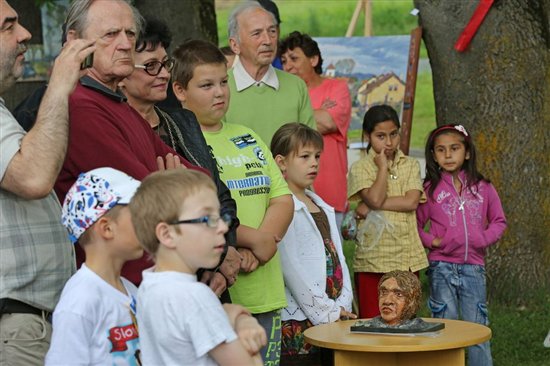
x=186 y=19
x=499 y=88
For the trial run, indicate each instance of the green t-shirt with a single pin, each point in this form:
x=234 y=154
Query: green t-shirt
x=264 y=109
x=249 y=171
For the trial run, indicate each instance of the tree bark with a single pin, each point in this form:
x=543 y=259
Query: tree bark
x=499 y=88
x=186 y=19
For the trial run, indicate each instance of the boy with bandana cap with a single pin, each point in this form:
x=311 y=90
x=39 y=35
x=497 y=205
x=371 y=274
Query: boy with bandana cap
x=94 y=321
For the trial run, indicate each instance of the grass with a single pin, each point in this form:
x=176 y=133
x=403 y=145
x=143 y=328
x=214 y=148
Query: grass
x=316 y=17
x=518 y=333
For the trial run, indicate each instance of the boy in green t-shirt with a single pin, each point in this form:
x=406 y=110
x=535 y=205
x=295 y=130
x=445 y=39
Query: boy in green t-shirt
x=264 y=204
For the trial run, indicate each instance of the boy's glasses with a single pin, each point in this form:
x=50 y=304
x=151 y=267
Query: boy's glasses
x=153 y=68
x=209 y=220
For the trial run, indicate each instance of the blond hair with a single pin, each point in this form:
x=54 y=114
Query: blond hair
x=159 y=198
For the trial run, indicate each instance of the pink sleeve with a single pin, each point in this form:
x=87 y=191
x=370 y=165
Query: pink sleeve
x=341 y=113
x=496 y=221
x=422 y=218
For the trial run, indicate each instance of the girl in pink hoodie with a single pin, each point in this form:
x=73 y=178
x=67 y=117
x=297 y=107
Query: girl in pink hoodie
x=466 y=217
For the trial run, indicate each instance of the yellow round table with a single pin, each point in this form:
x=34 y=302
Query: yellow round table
x=446 y=348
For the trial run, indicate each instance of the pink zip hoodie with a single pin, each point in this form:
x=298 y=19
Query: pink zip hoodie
x=467 y=223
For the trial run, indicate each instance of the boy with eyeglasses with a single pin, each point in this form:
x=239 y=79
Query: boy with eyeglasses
x=176 y=215
x=94 y=321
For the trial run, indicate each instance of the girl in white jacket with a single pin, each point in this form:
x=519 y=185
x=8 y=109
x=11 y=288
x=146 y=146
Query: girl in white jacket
x=317 y=281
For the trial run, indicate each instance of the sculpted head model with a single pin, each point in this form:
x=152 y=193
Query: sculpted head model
x=399 y=296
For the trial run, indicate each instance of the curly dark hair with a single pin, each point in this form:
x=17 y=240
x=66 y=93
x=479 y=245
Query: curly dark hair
x=155 y=33
x=306 y=44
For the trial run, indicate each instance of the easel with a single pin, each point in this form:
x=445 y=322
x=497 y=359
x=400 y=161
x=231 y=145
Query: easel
x=367 y=5
x=412 y=68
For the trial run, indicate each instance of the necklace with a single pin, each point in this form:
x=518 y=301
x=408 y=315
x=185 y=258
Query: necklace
x=392 y=173
x=164 y=125
x=168 y=121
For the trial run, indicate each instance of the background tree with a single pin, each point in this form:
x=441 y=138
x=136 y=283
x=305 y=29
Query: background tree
x=500 y=90
x=186 y=19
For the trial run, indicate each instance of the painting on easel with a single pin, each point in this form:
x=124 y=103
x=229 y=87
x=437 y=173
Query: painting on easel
x=375 y=69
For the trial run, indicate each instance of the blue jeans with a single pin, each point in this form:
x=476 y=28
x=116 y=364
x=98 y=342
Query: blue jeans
x=459 y=291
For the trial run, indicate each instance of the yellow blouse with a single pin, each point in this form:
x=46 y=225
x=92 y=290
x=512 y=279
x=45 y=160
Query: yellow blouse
x=398 y=247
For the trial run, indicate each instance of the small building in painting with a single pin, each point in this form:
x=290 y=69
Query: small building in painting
x=383 y=89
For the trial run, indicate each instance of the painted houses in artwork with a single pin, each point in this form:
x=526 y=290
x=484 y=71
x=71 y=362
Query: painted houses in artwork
x=382 y=89
x=330 y=71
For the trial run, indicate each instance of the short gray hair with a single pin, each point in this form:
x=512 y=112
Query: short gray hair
x=77 y=16
x=233 y=24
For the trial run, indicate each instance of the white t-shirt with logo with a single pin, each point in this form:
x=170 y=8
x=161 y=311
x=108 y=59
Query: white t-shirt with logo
x=92 y=323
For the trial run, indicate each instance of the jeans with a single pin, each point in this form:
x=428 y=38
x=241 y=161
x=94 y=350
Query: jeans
x=459 y=291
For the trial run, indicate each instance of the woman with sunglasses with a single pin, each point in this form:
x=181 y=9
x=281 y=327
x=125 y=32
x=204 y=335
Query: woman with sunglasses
x=179 y=129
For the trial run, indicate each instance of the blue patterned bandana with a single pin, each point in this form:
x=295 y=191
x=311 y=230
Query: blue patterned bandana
x=92 y=195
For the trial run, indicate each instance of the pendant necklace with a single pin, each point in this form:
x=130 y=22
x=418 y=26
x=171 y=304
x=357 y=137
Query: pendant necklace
x=392 y=173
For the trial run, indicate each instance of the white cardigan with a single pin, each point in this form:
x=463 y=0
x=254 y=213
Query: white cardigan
x=303 y=260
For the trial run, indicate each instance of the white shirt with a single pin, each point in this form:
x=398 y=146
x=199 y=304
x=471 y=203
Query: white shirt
x=303 y=260
x=180 y=320
x=243 y=80
x=92 y=324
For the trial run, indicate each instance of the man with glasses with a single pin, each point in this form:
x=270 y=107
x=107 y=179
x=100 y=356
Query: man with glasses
x=105 y=130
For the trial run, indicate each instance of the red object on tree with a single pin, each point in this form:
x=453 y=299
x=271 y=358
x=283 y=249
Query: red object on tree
x=471 y=28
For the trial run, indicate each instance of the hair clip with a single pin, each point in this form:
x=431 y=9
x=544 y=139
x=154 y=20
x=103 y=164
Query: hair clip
x=461 y=129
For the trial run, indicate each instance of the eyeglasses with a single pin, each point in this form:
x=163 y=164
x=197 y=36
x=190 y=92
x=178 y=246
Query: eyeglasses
x=210 y=220
x=153 y=68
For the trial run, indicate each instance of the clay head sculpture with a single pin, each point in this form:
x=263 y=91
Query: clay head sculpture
x=399 y=296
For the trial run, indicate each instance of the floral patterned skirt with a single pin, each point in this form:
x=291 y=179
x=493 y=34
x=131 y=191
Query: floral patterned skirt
x=294 y=349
